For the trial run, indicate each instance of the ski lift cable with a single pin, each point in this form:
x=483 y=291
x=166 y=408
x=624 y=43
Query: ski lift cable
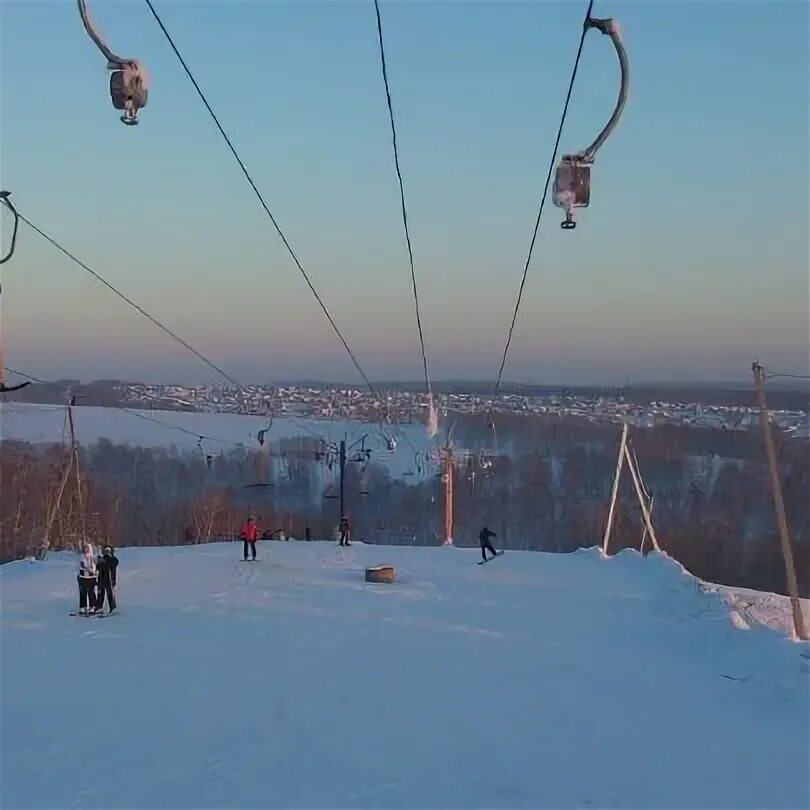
x=142 y=311
x=9 y=389
x=173 y=335
x=772 y=374
x=544 y=197
x=402 y=197
x=147 y=418
x=195 y=434
x=131 y=411
x=26 y=376
x=261 y=200
x=135 y=413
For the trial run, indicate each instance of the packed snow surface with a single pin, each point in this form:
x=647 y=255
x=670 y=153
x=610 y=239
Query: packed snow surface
x=535 y=681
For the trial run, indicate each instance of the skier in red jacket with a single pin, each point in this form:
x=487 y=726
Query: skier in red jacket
x=250 y=534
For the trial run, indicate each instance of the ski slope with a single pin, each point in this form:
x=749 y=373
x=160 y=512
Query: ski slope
x=535 y=681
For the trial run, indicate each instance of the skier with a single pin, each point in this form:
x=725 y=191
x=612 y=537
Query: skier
x=484 y=536
x=345 y=531
x=250 y=534
x=87 y=582
x=106 y=566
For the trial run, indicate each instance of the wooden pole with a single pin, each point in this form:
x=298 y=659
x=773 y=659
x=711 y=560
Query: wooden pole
x=342 y=477
x=615 y=492
x=644 y=535
x=75 y=450
x=448 y=496
x=641 y=499
x=46 y=540
x=778 y=502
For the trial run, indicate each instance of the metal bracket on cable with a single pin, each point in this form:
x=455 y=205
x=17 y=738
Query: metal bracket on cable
x=4 y=198
x=129 y=81
x=572 y=182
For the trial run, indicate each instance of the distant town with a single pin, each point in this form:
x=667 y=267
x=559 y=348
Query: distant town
x=720 y=407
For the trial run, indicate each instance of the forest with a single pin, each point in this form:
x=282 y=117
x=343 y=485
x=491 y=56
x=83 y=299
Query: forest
x=542 y=483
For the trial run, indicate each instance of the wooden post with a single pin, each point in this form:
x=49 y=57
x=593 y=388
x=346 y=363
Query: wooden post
x=46 y=540
x=448 y=496
x=778 y=502
x=74 y=447
x=342 y=477
x=644 y=535
x=641 y=499
x=615 y=492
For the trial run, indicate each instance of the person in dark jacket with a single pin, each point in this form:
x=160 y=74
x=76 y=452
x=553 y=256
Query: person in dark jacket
x=106 y=578
x=484 y=536
x=249 y=535
x=345 y=531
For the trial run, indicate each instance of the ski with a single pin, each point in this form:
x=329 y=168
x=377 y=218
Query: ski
x=498 y=554
x=90 y=615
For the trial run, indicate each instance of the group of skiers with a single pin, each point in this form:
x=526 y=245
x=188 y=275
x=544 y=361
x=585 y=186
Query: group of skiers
x=97 y=579
x=97 y=575
x=249 y=535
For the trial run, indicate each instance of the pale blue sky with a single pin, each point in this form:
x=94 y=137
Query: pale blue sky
x=692 y=259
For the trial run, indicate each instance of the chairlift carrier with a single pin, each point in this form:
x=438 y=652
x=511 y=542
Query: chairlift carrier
x=572 y=181
x=129 y=81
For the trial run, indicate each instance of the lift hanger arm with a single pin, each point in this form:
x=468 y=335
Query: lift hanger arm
x=4 y=198
x=612 y=29
x=96 y=37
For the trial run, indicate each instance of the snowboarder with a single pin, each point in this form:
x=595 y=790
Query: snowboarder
x=106 y=567
x=87 y=581
x=345 y=531
x=250 y=534
x=484 y=536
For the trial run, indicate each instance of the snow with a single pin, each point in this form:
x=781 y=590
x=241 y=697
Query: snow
x=535 y=681
x=749 y=607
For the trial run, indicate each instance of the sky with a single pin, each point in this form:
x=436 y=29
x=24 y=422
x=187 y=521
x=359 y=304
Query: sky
x=691 y=261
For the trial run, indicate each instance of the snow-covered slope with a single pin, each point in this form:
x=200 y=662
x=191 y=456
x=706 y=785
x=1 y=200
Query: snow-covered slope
x=535 y=681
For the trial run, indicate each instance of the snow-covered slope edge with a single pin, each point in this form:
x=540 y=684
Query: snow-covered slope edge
x=746 y=608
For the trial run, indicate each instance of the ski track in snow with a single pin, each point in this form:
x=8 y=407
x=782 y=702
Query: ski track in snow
x=537 y=681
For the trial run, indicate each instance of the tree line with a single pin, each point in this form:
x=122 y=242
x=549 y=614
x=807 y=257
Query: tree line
x=541 y=482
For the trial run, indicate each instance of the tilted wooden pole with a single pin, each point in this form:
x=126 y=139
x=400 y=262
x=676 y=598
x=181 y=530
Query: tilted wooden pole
x=615 y=492
x=641 y=499
x=644 y=534
x=778 y=502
